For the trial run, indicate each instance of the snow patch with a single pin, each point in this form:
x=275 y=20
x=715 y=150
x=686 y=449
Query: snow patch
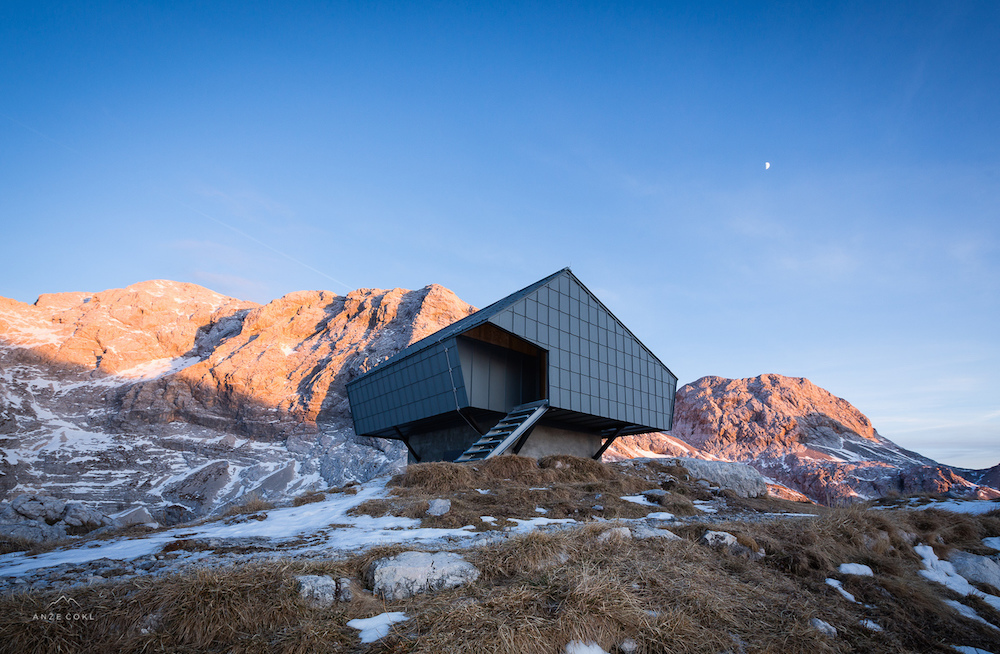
x=580 y=647
x=969 y=612
x=376 y=627
x=833 y=583
x=945 y=574
x=158 y=368
x=868 y=624
x=527 y=525
x=855 y=569
x=993 y=542
x=659 y=515
x=972 y=507
x=638 y=499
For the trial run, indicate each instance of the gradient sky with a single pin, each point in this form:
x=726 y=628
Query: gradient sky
x=258 y=150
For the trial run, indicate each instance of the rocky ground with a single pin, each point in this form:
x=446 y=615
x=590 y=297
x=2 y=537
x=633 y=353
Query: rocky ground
x=560 y=555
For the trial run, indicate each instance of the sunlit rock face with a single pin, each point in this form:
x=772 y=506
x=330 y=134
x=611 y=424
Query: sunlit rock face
x=802 y=436
x=175 y=397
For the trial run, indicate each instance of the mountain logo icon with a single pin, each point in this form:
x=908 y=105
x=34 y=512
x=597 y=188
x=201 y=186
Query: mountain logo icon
x=63 y=601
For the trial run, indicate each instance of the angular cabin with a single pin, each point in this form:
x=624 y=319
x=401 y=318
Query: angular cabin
x=546 y=370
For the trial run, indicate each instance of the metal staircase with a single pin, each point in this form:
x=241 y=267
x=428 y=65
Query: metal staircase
x=506 y=432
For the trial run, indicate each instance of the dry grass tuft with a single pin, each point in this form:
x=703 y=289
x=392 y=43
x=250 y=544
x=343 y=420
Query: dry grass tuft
x=678 y=504
x=510 y=467
x=309 y=498
x=515 y=487
x=250 y=504
x=573 y=468
x=436 y=477
x=10 y=544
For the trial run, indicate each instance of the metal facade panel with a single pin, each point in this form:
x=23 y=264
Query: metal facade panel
x=497 y=378
x=418 y=387
x=596 y=365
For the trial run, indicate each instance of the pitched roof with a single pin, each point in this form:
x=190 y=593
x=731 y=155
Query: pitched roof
x=474 y=320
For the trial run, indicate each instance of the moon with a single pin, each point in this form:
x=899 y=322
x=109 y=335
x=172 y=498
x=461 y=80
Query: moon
x=767 y=164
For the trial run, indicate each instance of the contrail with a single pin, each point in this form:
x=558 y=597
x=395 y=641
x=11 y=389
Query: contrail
x=47 y=138
x=190 y=208
x=261 y=243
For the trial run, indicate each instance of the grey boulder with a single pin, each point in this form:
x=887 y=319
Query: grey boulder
x=38 y=506
x=321 y=590
x=976 y=568
x=408 y=573
x=438 y=507
x=737 y=477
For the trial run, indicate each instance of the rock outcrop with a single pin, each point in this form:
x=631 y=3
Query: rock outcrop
x=740 y=478
x=408 y=573
x=801 y=436
x=40 y=517
x=176 y=398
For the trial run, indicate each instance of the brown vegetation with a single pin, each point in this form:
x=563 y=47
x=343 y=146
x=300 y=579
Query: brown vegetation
x=541 y=590
x=250 y=504
x=309 y=498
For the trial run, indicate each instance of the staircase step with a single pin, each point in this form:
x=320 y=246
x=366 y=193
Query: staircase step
x=505 y=433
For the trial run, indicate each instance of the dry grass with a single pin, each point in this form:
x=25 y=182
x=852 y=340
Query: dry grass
x=30 y=547
x=541 y=590
x=250 y=504
x=309 y=498
x=10 y=544
x=513 y=487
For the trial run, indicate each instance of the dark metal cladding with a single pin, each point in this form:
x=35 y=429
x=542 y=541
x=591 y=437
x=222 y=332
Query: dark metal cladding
x=552 y=340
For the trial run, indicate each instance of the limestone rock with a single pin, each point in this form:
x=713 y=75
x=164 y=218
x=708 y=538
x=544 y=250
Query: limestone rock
x=201 y=488
x=42 y=517
x=38 y=506
x=643 y=532
x=136 y=516
x=718 y=539
x=737 y=477
x=82 y=517
x=409 y=573
x=824 y=627
x=321 y=591
x=973 y=567
x=438 y=507
x=728 y=542
x=615 y=534
x=140 y=392
x=800 y=435
x=34 y=531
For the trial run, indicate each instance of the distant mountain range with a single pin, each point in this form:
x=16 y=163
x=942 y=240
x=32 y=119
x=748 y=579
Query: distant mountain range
x=803 y=437
x=174 y=397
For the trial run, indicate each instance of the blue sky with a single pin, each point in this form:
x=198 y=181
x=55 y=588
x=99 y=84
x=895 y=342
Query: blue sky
x=258 y=150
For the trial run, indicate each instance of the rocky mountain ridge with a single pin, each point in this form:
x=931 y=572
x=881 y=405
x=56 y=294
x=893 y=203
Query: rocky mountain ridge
x=174 y=397
x=802 y=436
